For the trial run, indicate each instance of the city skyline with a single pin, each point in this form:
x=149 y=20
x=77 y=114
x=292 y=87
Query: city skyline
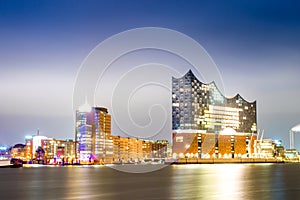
x=255 y=46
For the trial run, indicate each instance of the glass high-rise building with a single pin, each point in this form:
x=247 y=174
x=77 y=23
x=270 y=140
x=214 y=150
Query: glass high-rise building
x=93 y=134
x=202 y=107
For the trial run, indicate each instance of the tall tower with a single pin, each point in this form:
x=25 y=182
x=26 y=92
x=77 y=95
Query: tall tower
x=93 y=134
x=100 y=121
x=83 y=134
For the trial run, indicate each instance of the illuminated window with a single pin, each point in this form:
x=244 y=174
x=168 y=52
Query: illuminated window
x=179 y=139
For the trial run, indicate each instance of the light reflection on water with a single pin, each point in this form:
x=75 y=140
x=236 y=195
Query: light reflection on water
x=215 y=181
x=219 y=181
x=229 y=181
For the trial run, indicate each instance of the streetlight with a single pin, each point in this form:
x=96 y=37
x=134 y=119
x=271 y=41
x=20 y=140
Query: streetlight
x=292 y=131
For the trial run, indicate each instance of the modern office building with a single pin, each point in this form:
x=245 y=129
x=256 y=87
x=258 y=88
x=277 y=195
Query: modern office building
x=54 y=151
x=32 y=144
x=59 y=151
x=93 y=134
x=200 y=112
x=18 y=151
x=95 y=144
x=265 y=148
x=128 y=149
x=160 y=149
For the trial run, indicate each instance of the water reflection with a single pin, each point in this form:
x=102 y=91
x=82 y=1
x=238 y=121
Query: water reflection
x=229 y=181
x=235 y=181
x=220 y=181
x=202 y=181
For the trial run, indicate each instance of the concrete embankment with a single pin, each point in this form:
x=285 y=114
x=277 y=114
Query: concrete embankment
x=222 y=161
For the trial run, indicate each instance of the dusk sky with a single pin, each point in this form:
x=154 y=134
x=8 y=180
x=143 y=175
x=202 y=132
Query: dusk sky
x=255 y=45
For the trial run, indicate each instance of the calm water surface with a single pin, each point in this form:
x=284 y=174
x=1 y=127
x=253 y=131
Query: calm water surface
x=220 y=181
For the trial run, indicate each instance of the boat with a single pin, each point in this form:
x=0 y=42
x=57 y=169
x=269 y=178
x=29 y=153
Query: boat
x=11 y=163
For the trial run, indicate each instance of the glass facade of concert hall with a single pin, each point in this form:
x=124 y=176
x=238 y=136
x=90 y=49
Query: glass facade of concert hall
x=200 y=106
x=201 y=109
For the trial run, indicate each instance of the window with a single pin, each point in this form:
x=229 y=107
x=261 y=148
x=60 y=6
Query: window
x=179 y=139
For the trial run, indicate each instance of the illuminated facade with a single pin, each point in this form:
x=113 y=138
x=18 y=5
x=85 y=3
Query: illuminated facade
x=4 y=153
x=160 y=149
x=199 y=106
x=59 y=150
x=135 y=150
x=200 y=112
x=93 y=135
x=147 y=148
x=265 y=148
x=55 y=151
x=95 y=144
x=18 y=151
x=126 y=149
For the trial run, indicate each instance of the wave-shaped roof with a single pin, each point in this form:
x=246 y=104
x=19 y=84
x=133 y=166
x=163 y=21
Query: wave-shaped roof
x=237 y=96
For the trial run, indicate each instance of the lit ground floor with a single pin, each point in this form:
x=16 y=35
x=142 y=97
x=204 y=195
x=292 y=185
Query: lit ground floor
x=227 y=160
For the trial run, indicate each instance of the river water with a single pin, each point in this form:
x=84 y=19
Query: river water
x=218 y=181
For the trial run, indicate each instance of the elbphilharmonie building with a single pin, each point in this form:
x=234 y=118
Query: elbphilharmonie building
x=203 y=120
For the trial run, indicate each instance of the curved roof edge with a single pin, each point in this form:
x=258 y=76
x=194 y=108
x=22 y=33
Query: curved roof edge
x=213 y=82
x=238 y=95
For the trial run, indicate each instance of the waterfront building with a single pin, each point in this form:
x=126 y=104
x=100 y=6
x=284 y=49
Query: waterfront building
x=59 y=151
x=4 y=152
x=160 y=149
x=291 y=154
x=83 y=134
x=54 y=151
x=147 y=149
x=32 y=143
x=117 y=157
x=69 y=150
x=29 y=147
x=185 y=144
x=232 y=144
x=135 y=149
x=37 y=141
x=265 y=148
x=50 y=147
x=18 y=151
x=279 y=149
x=93 y=135
x=200 y=113
x=126 y=149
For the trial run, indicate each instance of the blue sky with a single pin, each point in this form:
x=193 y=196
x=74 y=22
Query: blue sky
x=255 y=45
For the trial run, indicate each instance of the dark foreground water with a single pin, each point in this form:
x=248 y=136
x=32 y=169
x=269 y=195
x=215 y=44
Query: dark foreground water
x=220 y=181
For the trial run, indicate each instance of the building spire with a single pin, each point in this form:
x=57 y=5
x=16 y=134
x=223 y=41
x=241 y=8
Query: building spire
x=85 y=107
